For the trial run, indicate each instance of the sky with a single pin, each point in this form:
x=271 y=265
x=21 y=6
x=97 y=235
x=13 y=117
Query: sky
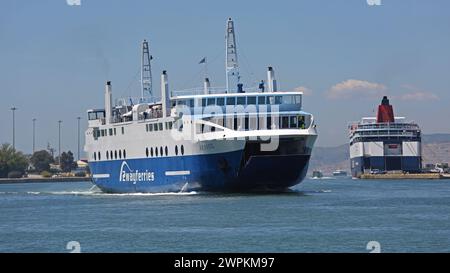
x=344 y=54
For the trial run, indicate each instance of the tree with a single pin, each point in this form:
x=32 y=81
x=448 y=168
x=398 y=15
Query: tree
x=41 y=161
x=11 y=161
x=67 y=162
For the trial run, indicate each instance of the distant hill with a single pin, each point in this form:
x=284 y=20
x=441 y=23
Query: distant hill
x=435 y=148
x=436 y=138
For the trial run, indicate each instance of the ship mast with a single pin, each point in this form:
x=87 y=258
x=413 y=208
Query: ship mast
x=231 y=60
x=146 y=71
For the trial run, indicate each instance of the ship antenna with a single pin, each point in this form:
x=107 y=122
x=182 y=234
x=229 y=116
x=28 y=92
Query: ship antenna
x=146 y=71
x=231 y=59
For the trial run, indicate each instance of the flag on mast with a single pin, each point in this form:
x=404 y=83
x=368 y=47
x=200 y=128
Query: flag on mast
x=203 y=61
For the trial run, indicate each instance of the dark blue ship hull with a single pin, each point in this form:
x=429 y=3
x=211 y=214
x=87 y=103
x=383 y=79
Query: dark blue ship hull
x=233 y=171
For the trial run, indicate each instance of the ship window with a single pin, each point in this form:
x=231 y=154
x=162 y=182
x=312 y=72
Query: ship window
x=155 y=126
x=278 y=99
x=251 y=100
x=182 y=150
x=160 y=126
x=107 y=155
x=176 y=149
x=110 y=131
x=123 y=131
x=166 y=150
x=181 y=102
x=191 y=103
x=151 y=152
x=156 y=151
x=246 y=123
x=99 y=156
x=269 y=123
x=120 y=154
x=235 y=123
x=220 y=101
x=110 y=154
x=115 y=154
x=261 y=100
x=146 y=151
x=241 y=100
x=253 y=123
x=293 y=122
x=124 y=153
x=102 y=133
x=301 y=122
x=284 y=122
x=161 y=151
x=146 y=127
x=203 y=102
x=231 y=101
x=287 y=99
x=92 y=116
x=115 y=131
x=95 y=156
x=211 y=101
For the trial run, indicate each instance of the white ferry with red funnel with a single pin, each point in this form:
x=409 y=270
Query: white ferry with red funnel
x=205 y=139
x=385 y=143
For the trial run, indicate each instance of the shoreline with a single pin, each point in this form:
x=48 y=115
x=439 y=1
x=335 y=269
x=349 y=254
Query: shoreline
x=28 y=180
x=430 y=176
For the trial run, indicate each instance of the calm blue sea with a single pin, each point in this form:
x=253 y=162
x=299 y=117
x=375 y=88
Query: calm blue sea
x=330 y=215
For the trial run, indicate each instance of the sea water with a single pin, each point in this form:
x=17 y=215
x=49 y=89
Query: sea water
x=322 y=215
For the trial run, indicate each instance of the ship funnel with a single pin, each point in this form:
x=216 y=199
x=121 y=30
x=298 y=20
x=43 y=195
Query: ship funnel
x=108 y=103
x=165 y=94
x=206 y=86
x=385 y=111
x=271 y=82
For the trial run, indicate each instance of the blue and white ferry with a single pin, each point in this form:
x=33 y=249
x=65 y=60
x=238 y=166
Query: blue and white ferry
x=206 y=139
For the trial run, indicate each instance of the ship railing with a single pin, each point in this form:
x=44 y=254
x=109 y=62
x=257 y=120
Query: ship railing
x=385 y=126
x=137 y=100
x=212 y=91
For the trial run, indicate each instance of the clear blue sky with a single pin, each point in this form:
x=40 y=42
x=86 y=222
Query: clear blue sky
x=55 y=58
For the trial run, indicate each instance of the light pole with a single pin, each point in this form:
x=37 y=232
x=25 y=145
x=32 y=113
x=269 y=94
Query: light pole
x=13 y=109
x=34 y=135
x=78 y=119
x=59 y=141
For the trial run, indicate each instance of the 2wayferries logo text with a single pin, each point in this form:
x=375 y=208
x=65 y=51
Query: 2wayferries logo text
x=128 y=175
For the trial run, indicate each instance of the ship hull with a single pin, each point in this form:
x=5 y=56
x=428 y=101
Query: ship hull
x=224 y=172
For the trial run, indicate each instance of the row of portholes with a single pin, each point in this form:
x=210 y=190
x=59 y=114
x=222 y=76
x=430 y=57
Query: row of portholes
x=161 y=152
x=111 y=155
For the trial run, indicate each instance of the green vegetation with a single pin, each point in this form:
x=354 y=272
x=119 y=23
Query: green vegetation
x=12 y=162
x=41 y=161
x=46 y=174
x=67 y=162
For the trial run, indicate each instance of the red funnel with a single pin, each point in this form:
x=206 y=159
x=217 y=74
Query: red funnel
x=385 y=111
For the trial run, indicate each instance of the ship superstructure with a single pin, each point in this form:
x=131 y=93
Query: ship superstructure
x=209 y=139
x=385 y=143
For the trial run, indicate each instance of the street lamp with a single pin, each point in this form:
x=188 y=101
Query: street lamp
x=78 y=119
x=13 y=109
x=34 y=134
x=59 y=141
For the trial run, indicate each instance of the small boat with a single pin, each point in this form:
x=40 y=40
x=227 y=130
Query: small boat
x=317 y=174
x=339 y=173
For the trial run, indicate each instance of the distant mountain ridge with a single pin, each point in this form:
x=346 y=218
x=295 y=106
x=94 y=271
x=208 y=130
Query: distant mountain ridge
x=435 y=148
